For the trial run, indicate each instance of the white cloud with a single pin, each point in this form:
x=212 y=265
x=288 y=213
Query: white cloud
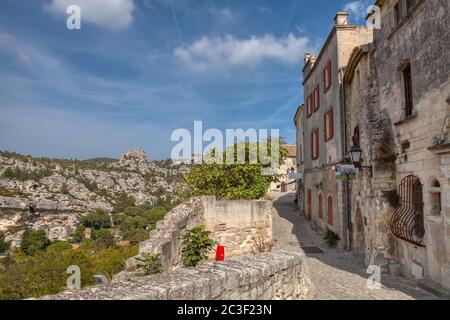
x=221 y=52
x=357 y=9
x=113 y=14
x=9 y=43
x=224 y=15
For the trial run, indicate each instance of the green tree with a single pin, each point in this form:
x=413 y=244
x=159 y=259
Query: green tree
x=34 y=241
x=78 y=235
x=104 y=239
x=96 y=219
x=4 y=245
x=234 y=181
x=195 y=245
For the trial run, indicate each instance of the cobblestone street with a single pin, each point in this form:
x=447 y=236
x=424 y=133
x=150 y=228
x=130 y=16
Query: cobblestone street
x=335 y=274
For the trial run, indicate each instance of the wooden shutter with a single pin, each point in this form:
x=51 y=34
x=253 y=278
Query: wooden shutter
x=331 y=122
x=317 y=142
x=320 y=206
x=312 y=144
x=330 y=210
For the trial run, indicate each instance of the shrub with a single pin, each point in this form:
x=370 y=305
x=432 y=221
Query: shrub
x=104 y=239
x=25 y=175
x=64 y=189
x=4 y=245
x=78 y=235
x=195 y=245
x=233 y=181
x=96 y=219
x=122 y=201
x=393 y=198
x=150 y=264
x=34 y=241
x=331 y=238
x=59 y=247
x=45 y=273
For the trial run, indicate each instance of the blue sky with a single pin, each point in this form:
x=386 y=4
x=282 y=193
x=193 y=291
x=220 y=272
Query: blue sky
x=138 y=69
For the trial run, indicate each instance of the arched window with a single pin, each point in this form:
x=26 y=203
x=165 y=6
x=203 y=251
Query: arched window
x=330 y=210
x=407 y=223
x=320 y=206
x=436 y=200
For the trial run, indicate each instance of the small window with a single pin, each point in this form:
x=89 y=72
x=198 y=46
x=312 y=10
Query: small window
x=327 y=77
x=328 y=125
x=410 y=5
x=315 y=144
x=316 y=99
x=436 y=199
x=397 y=13
x=407 y=87
x=330 y=210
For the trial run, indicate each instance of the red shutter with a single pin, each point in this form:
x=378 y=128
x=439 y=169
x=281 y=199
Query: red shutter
x=331 y=123
x=330 y=210
x=317 y=143
x=318 y=97
x=309 y=204
x=325 y=127
x=312 y=144
x=329 y=74
x=320 y=206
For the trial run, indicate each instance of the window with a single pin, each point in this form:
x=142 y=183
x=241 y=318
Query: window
x=315 y=144
x=330 y=210
x=309 y=105
x=409 y=5
x=397 y=13
x=327 y=77
x=407 y=222
x=320 y=205
x=328 y=125
x=407 y=87
x=316 y=98
x=436 y=199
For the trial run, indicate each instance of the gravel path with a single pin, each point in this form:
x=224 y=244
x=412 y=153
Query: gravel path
x=335 y=274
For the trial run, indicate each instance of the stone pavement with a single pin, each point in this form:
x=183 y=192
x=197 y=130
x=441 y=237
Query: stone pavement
x=335 y=274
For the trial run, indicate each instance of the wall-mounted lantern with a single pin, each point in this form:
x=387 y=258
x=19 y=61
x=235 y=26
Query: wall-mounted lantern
x=355 y=155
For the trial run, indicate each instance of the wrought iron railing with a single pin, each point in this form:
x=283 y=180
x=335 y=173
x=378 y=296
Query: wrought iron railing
x=407 y=222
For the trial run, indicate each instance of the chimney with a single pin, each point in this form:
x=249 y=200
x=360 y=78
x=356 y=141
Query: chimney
x=341 y=19
x=307 y=57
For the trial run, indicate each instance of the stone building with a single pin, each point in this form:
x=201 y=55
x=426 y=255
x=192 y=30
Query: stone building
x=412 y=59
x=323 y=126
x=289 y=165
x=298 y=121
x=393 y=102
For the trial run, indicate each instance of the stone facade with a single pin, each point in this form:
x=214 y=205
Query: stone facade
x=278 y=275
x=286 y=184
x=419 y=39
x=298 y=122
x=395 y=95
x=325 y=203
x=242 y=226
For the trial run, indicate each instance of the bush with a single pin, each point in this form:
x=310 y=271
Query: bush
x=4 y=245
x=45 y=273
x=59 y=247
x=150 y=264
x=34 y=241
x=122 y=201
x=195 y=245
x=78 y=235
x=25 y=175
x=64 y=189
x=331 y=238
x=96 y=219
x=104 y=239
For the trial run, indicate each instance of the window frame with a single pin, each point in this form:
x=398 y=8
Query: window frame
x=328 y=126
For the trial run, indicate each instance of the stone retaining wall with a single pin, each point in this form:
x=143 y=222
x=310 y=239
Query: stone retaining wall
x=242 y=226
x=277 y=275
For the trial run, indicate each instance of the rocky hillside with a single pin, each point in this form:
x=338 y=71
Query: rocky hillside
x=53 y=194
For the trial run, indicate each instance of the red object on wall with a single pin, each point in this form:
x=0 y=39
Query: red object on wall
x=309 y=217
x=220 y=253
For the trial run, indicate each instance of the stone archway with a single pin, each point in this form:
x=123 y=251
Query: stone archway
x=360 y=240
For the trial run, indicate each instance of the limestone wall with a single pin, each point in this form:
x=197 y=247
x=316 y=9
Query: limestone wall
x=278 y=275
x=242 y=226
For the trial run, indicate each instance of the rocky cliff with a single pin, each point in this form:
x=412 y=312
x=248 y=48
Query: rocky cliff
x=52 y=194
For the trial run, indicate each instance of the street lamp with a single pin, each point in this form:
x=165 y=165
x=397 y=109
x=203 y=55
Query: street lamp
x=355 y=155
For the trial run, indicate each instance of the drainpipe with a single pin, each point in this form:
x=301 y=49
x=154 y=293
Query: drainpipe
x=346 y=196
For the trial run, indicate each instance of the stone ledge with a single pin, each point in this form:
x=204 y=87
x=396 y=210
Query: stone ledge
x=272 y=275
